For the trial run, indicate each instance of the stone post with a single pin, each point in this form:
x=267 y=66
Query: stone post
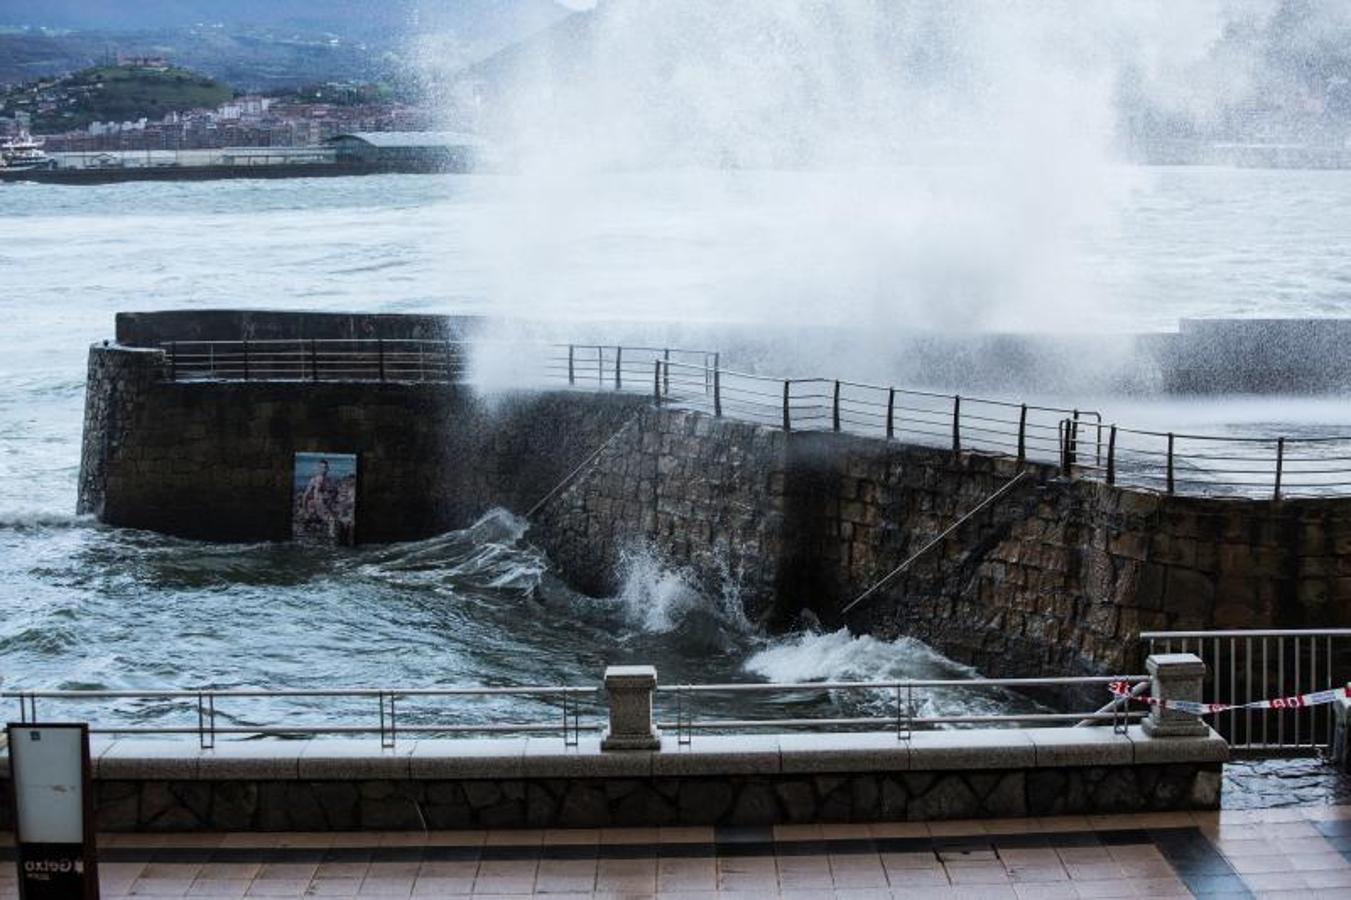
x=629 y=689
x=1341 y=709
x=1175 y=676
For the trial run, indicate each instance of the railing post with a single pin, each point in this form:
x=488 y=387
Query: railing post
x=1280 y=465
x=619 y=368
x=1062 y=437
x=1174 y=676
x=1170 y=462
x=173 y=360
x=835 y=408
x=1074 y=447
x=629 y=692
x=717 y=392
x=656 y=381
x=787 y=419
x=1111 y=455
x=572 y=372
x=666 y=373
x=380 y=353
x=956 y=424
x=246 y=360
x=891 y=413
x=314 y=360
x=1022 y=433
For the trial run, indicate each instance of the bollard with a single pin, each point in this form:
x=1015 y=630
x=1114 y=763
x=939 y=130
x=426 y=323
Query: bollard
x=1175 y=676
x=629 y=689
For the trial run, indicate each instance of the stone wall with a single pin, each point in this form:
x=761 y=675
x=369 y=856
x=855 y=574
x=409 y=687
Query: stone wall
x=177 y=806
x=1057 y=578
x=214 y=460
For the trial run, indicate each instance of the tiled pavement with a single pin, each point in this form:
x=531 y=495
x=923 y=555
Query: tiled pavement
x=1288 y=852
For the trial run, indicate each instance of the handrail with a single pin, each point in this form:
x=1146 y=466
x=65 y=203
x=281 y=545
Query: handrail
x=817 y=686
x=1245 y=633
x=886 y=579
x=1076 y=440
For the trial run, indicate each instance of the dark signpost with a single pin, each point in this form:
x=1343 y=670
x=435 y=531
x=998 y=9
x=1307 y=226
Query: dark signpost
x=53 y=811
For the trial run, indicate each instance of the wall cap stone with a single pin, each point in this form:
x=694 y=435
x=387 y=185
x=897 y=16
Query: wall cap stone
x=708 y=755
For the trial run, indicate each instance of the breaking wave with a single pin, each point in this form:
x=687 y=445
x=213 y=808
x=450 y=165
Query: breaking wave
x=658 y=598
x=842 y=656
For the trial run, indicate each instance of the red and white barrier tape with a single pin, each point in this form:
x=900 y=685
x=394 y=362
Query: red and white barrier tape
x=1299 y=701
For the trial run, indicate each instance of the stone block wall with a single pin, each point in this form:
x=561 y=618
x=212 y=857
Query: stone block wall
x=178 y=806
x=1057 y=578
x=707 y=495
x=214 y=460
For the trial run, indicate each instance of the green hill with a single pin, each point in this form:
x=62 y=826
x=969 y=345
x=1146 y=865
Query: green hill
x=115 y=94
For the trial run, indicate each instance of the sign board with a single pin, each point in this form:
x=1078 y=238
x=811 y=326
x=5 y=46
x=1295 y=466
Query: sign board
x=53 y=811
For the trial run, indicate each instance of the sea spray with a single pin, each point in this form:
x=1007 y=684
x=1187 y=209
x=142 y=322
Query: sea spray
x=842 y=656
x=659 y=598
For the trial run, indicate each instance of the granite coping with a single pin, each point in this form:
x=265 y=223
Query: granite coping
x=134 y=759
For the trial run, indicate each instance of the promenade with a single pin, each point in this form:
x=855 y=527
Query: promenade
x=1234 y=853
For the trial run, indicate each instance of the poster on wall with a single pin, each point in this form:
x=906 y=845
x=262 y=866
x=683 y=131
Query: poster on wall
x=324 y=502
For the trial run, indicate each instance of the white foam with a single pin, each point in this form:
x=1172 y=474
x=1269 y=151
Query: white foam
x=841 y=656
x=657 y=598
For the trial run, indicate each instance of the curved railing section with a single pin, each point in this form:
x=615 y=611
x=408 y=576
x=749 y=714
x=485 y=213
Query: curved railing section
x=1075 y=440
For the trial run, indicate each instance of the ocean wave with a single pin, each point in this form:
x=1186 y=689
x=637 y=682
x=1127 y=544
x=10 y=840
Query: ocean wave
x=25 y=519
x=842 y=656
x=658 y=598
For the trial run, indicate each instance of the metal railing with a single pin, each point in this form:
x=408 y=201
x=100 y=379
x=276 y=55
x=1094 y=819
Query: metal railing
x=317 y=359
x=903 y=697
x=209 y=714
x=1243 y=666
x=949 y=421
x=1076 y=440
x=203 y=707
x=625 y=368
x=1176 y=463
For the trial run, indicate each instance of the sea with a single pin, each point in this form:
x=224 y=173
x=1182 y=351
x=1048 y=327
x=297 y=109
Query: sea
x=84 y=606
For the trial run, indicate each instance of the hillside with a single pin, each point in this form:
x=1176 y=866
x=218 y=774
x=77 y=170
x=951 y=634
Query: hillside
x=259 y=45
x=114 y=94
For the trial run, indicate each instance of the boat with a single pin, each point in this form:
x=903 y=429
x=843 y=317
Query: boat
x=23 y=153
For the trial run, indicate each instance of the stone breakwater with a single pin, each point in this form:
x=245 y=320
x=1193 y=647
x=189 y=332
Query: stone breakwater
x=1058 y=578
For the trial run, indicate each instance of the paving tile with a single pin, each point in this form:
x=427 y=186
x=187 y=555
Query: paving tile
x=392 y=886
x=1328 y=878
x=160 y=887
x=334 y=887
x=219 y=887
x=1059 y=891
x=918 y=860
x=277 y=887
x=977 y=873
x=1034 y=874
x=442 y=887
x=1120 y=887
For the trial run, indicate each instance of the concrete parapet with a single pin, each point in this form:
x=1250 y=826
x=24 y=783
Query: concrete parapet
x=320 y=785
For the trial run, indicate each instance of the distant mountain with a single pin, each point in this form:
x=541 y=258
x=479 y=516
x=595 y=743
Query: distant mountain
x=263 y=44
